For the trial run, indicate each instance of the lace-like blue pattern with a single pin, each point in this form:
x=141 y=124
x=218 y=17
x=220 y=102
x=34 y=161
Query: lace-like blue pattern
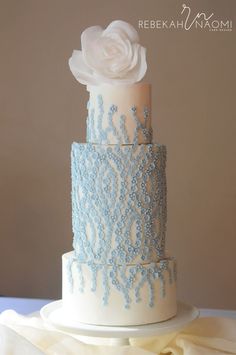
x=118 y=203
x=129 y=281
x=96 y=133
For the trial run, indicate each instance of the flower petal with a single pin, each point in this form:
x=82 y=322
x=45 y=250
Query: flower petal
x=139 y=69
x=124 y=28
x=80 y=70
x=142 y=63
x=91 y=46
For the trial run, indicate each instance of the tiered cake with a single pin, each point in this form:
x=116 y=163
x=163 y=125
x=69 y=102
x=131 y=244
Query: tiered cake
x=118 y=273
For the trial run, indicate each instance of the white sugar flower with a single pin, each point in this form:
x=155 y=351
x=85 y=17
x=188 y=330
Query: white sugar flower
x=112 y=56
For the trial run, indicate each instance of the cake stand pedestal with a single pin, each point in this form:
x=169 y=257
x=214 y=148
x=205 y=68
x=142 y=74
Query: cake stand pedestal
x=54 y=316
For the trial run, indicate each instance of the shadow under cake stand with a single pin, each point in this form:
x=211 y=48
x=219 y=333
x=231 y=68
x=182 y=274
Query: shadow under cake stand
x=53 y=315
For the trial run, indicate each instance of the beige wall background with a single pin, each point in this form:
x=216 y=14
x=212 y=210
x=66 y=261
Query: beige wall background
x=43 y=109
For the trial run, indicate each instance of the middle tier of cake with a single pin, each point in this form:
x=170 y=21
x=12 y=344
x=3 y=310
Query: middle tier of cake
x=118 y=203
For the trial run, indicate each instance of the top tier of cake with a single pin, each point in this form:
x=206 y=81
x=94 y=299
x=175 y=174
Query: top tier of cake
x=119 y=114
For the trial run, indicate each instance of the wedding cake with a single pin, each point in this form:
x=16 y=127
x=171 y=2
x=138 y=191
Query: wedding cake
x=118 y=272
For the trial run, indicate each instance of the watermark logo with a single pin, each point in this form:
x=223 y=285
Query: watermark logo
x=188 y=21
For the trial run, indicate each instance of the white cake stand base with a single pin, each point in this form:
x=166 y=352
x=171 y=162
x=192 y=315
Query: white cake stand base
x=53 y=314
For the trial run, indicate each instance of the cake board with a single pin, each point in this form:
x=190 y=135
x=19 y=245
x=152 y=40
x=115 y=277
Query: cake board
x=53 y=315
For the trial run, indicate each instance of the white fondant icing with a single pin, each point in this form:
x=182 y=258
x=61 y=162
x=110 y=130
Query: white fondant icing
x=87 y=306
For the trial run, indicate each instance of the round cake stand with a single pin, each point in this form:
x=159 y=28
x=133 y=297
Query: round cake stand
x=53 y=314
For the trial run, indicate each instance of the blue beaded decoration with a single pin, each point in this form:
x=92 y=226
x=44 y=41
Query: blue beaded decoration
x=118 y=202
x=127 y=280
x=96 y=133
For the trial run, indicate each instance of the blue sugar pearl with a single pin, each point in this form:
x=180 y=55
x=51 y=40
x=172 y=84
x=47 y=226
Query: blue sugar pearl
x=128 y=259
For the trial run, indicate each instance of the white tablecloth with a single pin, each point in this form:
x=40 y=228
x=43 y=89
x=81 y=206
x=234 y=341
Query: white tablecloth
x=28 y=335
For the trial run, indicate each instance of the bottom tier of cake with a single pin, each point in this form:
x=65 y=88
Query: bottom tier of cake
x=118 y=294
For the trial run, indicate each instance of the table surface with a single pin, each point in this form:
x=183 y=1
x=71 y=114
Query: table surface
x=31 y=305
